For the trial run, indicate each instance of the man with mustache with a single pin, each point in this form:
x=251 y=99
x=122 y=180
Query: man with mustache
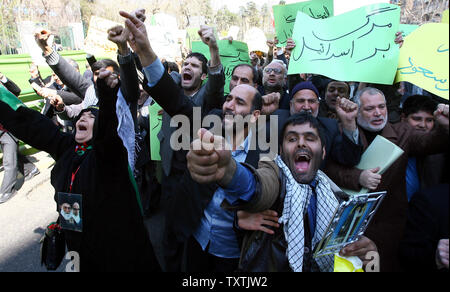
x=334 y=90
x=275 y=81
x=194 y=71
x=293 y=181
x=387 y=226
x=198 y=231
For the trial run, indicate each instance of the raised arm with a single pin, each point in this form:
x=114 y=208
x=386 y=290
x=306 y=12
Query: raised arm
x=160 y=84
x=210 y=161
x=10 y=85
x=214 y=94
x=35 y=129
x=66 y=72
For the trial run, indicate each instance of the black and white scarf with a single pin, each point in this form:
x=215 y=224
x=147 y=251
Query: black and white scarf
x=295 y=206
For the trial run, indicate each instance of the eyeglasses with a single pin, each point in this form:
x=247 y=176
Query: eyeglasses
x=274 y=70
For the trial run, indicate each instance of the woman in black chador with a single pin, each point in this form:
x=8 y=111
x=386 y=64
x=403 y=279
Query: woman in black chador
x=93 y=163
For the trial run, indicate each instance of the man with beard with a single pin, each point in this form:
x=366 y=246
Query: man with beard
x=65 y=211
x=334 y=90
x=274 y=83
x=198 y=231
x=386 y=228
x=194 y=71
x=292 y=180
x=343 y=142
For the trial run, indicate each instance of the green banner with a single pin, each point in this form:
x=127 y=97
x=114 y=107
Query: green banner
x=355 y=46
x=230 y=55
x=9 y=98
x=285 y=15
x=155 y=126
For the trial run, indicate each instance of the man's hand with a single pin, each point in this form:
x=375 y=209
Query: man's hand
x=34 y=71
x=399 y=39
x=347 y=111
x=41 y=37
x=46 y=92
x=209 y=159
x=370 y=179
x=442 y=254
x=258 y=221
x=441 y=115
x=206 y=33
x=119 y=35
x=290 y=45
x=57 y=102
x=271 y=103
x=359 y=249
x=138 y=39
x=111 y=79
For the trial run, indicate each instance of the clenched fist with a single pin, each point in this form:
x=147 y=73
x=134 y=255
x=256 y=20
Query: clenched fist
x=209 y=159
x=347 y=111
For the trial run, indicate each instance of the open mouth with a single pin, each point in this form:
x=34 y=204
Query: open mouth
x=302 y=162
x=187 y=77
x=378 y=122
x=82 y=128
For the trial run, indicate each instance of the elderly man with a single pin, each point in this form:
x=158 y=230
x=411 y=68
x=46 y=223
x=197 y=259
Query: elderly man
x=293 y=180
x=274 y=83
x=387 y=226
x=344 y=147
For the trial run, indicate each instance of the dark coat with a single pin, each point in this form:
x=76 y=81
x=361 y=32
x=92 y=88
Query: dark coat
x=191 y=198
x=114 y=237
x=209 y=96
x=427 y=224
x=386 y=228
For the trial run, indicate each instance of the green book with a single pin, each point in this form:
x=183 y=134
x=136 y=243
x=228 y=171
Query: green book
x=7 y=97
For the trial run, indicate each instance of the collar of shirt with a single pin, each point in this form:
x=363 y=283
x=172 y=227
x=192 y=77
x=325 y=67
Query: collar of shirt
x=245 y=146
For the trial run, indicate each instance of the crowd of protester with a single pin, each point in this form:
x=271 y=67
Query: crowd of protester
x=224 y=209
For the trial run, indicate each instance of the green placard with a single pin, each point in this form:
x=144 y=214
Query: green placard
x=230 y=55
x=285 y=15
x=155 y=126
x=9 y=98
x=355 y=46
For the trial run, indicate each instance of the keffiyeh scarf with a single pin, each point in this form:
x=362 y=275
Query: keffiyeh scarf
x=295 y=206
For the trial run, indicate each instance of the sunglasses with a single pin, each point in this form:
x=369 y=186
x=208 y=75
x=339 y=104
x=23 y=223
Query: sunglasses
x=274 y=70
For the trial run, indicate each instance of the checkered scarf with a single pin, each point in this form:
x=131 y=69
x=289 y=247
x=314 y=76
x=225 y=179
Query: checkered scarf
x=295 y=206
